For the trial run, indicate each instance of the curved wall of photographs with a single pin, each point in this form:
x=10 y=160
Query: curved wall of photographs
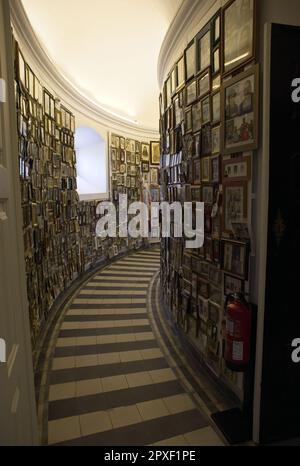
x=209 y=137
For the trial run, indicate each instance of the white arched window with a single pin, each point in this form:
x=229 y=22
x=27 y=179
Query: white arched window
x=90 y=149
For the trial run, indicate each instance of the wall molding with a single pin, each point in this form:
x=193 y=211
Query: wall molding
x=63 y=87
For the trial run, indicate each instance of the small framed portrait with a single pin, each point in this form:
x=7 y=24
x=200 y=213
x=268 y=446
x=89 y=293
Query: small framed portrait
x=216 y=107
x=206 y=140
x=137 y=147
x=240 y=112
x=154 y=175
x=206 y=111
x=132 y=157
x=145 y=167
x=155 y=152
x=204 y=84
x=235 y=257
x=215 y=169
x=145 y=151
x=122 y=168
x=122 y=143
x=191 y=93
x=233 y=285
x=236 y=168
x=235 y=203
x=205 y=175
x=132 y=146
x=207 y=194
x=127 y=144
x=203 y=41
x=216 y=140
x=196 y=116
x=197 y=171
x=238 y=33
x=180 y=73
x=190 y=60
x=188 y=122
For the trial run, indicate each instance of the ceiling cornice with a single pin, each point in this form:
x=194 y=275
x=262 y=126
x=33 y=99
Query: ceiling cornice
x=191 y=14
x=64 y=89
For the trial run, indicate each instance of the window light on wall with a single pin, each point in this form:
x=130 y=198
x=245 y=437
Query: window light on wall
x=91 y=164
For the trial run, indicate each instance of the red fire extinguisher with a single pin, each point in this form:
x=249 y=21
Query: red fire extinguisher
x=238 y=332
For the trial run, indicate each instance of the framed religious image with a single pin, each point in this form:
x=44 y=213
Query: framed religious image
x=205 y=170
x=191 y=93
x=205 y=111
x=145 y=167
x=204 y=84
x=203 y=41
x=236 y=169
x=216 y=140
x=216 y=61
x=190 y=60
x=196 y=116
x=238 y=33
x=137 y=147
x=207 y=194
x=206 y=140
x=240 y=112
x=235 y=202
x=145 y=152
x=215 y=169
x=180 y=73
x=197 y=171
x=137 y=159
x=233 y=285
x=235 y=256
x=155 y=152
x=188 y=122
x=154 y=175
x=216 y=107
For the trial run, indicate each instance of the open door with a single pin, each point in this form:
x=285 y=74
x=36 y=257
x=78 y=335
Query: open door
x=18 y=424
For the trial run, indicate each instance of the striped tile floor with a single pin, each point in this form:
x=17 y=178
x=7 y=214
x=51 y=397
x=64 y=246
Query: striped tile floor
x=110 y=383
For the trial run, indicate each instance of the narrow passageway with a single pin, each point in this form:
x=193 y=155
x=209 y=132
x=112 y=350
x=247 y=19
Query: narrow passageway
x=110 y=382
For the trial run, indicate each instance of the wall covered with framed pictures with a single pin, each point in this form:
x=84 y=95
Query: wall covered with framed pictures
x=209 y=136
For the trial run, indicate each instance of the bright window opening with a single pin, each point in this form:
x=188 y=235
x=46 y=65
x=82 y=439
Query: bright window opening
x=91 y=164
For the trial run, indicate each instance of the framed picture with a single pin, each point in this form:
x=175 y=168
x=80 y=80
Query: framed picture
x=188 y=122
x=233 y=285
x=241 y=231
x=173 y=80
x=216 y=140
x=203 y=49
x=216 y=29
x=196 y=116
x=216 y=107
x=206 y=111
x=190 y=60
x=177 y=109
x=235 y=202
x=216 y=83
x=168 y=92
x=240 y=112
x=180 y=73
x=235 y=257
x=204 y=84
x=236 y=169
x=145 y=152
x=216 y=61
x=145 y=167
x=197 y=171
x=238 y=33
x=154 y=175
x=191 y=93
x=216 y=247
x=206 y=140
x=215 y=169
x=122 y=143
x=197 y=144
x=207 y=194
x=205 y=170
x=155 y=152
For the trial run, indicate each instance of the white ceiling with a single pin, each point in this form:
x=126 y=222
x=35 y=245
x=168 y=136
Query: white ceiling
x=108 y=49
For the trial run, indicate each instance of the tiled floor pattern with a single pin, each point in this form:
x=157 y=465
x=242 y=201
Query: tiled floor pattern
x=110 y=383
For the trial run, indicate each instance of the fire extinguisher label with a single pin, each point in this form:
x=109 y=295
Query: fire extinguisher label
x=237 y=350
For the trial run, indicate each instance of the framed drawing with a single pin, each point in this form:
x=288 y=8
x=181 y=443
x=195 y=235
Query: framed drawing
x=145 y=152
x=205 y=170
x=216 y=140
x=235 y=256
x=216 y=29
x=216 y=61
x=188 y=121
x=206 y=140
x=215 y=169
x=155 y=152
x=173 y=80
x=180 y=73
x=207 y=194
x=197 y=171
x=204 y=84
x=154 y=175
x=191 y=93
x=216 y=107
x=240 y=112
x=205 y=111
x=238 y=33
x=236 y=169
x=235 y=202
x=145 y=167
x=190 y=60
x=203 y=45
x=197 y=145
x=196 y=116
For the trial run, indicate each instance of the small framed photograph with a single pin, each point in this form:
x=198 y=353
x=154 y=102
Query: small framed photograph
x=145 y=152
x=216 y=140
x=205 y=170
x=236 y=169
x=238 y=33
x=190 y=60
x=145 y=167
x=155 y=152
x=235 y=203
x=240 y=112
x=216 y=107
x=197 y=171
x=206 y=111
x=180 y=73
x=188 y=122
x=204 y=84
x=207 y=194
x=235 y=256
x=196 y=116
x=215 y=169
x=203 y=42
x=206 y=140
x=233 y=285
x=191 y=93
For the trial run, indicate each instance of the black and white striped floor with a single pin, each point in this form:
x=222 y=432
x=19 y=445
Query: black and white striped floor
x=111 y=382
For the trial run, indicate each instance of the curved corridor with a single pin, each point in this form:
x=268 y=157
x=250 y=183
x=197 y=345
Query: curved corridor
x=110 y=383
